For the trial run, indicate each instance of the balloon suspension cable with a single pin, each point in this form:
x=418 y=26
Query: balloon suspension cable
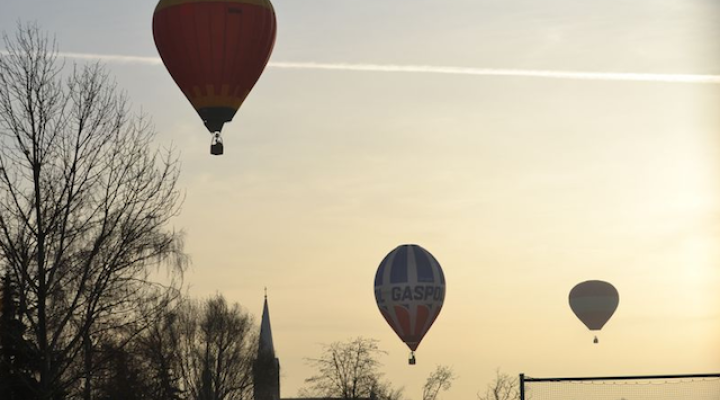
x=216 y=145
x=411 y=360
x=595 y=340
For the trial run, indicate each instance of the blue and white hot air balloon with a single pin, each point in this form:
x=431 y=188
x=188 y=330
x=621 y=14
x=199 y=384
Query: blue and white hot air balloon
x=409 y=291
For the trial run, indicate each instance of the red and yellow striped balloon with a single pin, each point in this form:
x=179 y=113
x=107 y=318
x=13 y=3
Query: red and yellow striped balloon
x=215 y=50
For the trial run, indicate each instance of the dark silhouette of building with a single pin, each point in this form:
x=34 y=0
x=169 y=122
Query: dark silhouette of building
x=266 y=370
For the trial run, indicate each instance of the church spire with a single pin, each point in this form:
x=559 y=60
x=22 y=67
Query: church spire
x=266 y=369
x=266 y=341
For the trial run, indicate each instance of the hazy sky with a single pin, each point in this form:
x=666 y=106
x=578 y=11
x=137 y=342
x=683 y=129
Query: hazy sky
x=520 y=186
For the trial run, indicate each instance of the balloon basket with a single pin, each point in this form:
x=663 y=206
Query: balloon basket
x=596 y=340
x=216 y=146
x=411 y=360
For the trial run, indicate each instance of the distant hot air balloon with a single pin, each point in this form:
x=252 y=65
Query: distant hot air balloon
x=409 y=291
x=594 y=302
x=215 y=50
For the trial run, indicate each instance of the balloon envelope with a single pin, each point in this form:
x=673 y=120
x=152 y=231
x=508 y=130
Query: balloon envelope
x=594 y=302
x=215 y=51
x=409 y=291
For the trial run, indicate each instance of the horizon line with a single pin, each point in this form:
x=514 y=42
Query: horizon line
x=446 y=70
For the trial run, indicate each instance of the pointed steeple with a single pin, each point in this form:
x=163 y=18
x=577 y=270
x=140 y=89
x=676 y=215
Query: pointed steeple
x=267 y=367
x=266 y=341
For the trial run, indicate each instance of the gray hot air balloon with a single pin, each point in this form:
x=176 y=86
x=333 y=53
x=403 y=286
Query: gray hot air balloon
x=594 y=302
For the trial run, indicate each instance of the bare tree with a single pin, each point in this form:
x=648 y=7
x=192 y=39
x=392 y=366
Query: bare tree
x=84 y=206
x=350 y=370
x=215 y=347
x=503 y=387
x=440 y=379
x=121 y=376
x=155 y=352
x=384 y=390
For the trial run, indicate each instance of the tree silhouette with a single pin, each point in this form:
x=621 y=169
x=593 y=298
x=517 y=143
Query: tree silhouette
x=503 y=387
x=123 y=376
x=440 y=379
x=215 y=350
x=84 y=205
x=16 y=369
x=350 y=370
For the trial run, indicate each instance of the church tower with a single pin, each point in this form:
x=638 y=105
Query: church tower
x=266 y=370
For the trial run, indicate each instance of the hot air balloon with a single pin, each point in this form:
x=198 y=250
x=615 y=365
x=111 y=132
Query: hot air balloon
x=409 y=291
x=215 y=52
x=594 y=302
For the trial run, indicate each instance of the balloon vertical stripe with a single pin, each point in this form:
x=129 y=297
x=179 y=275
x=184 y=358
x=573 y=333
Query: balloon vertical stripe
x=399 y=269
x=421 y=319
x=403 y=320
x=424 y=269
x=380 y=272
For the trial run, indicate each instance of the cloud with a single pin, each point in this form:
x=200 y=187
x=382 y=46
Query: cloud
x=428 y=69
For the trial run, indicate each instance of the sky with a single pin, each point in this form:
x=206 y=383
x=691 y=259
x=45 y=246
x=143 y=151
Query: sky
x=462 y=126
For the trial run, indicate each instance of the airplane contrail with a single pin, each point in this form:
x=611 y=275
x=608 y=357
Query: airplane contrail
x=604 y=76
x=428 y=69
x=113 y=58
